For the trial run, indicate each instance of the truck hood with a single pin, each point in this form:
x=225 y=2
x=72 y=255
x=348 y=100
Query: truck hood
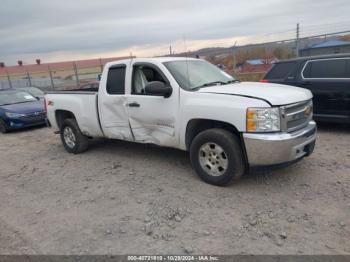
x=275 y=94
x=25 y=108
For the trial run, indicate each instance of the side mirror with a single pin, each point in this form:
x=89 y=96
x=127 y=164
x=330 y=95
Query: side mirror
x=158 y=88
x=99 y=76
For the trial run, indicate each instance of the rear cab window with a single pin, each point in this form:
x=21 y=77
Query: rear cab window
x=116 y=80
x=281 y=70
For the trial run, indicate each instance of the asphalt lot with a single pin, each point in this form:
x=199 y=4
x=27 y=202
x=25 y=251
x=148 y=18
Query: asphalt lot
x=125 y=198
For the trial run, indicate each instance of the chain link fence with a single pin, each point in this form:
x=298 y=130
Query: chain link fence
x=71 y=75
x=52 y=79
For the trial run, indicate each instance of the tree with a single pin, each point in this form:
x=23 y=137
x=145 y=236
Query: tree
x=344 y=37
x=282 y=53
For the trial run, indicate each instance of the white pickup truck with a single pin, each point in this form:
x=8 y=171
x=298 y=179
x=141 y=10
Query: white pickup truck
x=227 y=126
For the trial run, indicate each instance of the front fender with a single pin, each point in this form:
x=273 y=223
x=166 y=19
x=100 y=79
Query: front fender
x=230 y=109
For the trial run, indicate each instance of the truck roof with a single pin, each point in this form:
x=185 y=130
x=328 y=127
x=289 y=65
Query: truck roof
x=152 y=59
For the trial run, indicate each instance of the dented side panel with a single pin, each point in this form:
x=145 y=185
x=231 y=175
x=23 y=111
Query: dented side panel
x=150 y=133
x=115 y=118
x=155 y=120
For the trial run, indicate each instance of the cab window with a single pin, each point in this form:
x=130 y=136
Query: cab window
x=142 y=75
x=116 y=80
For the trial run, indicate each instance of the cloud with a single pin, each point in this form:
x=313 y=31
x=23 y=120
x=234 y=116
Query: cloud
x=51 y=29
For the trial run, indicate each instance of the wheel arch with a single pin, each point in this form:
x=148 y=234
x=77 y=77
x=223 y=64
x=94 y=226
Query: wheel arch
x=62 y=115
x=198 y=125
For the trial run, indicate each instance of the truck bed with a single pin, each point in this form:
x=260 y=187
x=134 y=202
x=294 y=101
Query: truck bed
x=83 y=104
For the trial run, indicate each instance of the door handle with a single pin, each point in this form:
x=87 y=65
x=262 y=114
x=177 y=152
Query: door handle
x=134 y=104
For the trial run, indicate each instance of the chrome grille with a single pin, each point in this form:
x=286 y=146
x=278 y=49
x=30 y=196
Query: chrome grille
x=36 y=117
x=296 y=116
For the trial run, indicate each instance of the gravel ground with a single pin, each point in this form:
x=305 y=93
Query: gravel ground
x=125 y=198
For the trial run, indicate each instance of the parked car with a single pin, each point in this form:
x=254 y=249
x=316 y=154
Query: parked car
x=327 y=77
x=189 y=104
x=93 y=86
x=34 y=91
x=19 y=109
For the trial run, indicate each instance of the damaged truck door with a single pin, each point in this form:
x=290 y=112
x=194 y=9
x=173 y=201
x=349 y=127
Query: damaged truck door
x=152 y=105
x=112 y=104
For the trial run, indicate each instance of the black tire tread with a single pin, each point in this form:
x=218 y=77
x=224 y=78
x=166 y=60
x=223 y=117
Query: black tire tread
x=82 y=142
x=232 y=146
x=3 y=128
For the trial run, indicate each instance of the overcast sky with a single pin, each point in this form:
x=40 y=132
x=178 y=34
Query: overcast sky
x=76 y=29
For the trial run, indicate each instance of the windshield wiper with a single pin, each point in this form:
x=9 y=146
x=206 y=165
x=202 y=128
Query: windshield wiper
x=232 y=81
x=210 y=84
x=216 y=83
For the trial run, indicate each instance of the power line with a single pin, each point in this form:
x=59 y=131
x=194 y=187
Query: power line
x=290 y=34
x=334 y=33
x=317 y=31
x=313 y=28
x=322 y=25
x=293 y=39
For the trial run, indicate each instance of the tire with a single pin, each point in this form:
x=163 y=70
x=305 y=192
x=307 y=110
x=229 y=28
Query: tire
x=217 y=157
x=3 y=128
x=72 y=138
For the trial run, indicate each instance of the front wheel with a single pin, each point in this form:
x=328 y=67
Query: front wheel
x=3 y=128
x=72 y=138
x=217 y=157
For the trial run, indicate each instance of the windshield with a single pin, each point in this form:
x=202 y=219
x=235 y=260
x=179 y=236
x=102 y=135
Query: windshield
x=34 y=91
x=195 y=74
x=15 y=97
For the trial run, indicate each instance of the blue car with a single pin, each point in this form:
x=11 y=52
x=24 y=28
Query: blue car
x=34 y=91
x=19 y=109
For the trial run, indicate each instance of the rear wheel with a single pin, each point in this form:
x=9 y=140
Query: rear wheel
x=72 y=138
x=217 y=157
x=3 y=128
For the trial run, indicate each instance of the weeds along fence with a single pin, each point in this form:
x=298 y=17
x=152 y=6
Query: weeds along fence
x=250 y=77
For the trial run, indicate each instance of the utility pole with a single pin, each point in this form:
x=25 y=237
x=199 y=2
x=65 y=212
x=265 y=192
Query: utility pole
x=101 y=65
x=9 y=79
x=76 y=74
x=170 y=51
x=297 y=41
x=50 y=73
x=29 y=79
x=234 y=59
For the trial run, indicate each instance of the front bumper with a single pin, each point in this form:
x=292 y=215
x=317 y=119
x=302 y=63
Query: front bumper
x=13 y=124
x=278 y=148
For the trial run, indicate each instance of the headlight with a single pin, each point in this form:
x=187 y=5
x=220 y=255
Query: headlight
x=13 y=115
x=263 y=119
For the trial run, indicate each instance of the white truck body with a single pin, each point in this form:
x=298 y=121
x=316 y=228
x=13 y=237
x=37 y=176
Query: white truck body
x=167 y=121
